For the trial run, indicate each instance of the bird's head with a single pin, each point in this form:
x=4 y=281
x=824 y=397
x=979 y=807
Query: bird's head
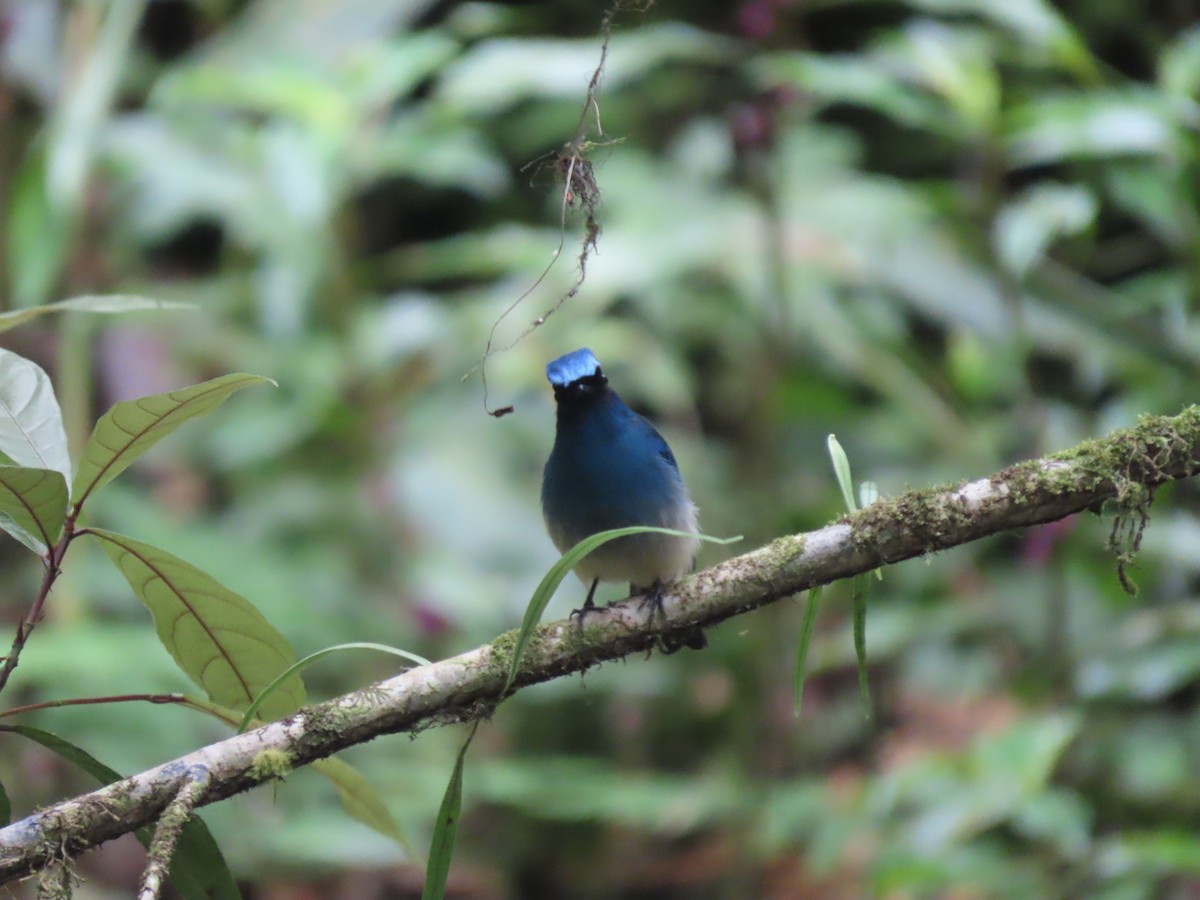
x=576 y=376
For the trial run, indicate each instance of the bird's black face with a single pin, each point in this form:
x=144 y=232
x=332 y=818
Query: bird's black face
x=581 y=389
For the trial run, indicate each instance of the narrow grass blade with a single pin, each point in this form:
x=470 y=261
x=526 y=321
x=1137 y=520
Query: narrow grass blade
x=858 y=604
x=806 y=630
x=868 y=493
x=301 y=664
x=841 y=468
x=553 y=578
x=441 y=850
x=110 y=304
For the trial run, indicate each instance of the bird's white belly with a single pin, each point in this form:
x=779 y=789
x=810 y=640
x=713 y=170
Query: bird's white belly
x=640 y=559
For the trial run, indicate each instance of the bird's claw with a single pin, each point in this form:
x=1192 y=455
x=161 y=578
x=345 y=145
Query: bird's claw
x=693 y=638
x=653 y=601
x=589 y=606
x=579 y=614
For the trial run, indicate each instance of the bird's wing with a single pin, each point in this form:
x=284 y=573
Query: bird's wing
x=658 y=441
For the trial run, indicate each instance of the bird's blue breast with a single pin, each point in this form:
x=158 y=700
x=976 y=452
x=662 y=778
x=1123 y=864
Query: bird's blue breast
x=609 y=468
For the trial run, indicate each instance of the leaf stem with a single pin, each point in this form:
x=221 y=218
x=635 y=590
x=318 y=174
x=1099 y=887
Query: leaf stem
x=87 y=701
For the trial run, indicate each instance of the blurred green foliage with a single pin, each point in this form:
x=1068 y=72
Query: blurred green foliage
x=956 y=233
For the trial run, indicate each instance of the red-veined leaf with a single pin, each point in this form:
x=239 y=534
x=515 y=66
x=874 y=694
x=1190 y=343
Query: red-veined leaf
x=132 y=427
x=217 y=637
x=33 y=504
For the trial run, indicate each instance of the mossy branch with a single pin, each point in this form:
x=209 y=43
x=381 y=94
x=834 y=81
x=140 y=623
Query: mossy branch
x=1123 y=468
x=167 y=832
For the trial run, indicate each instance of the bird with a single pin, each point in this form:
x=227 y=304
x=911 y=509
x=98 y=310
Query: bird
x=610 y=468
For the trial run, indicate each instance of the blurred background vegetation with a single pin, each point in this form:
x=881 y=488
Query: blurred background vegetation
x=957 y=233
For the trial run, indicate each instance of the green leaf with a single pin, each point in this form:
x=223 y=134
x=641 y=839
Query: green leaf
x=1060 y=818
x=1034 y=22
x=37 y=235
x=841 y=468
x=494 y=74
x=868 y=490
x=68 y=751
x=1179 y=65
x=31 y=425
x=852 y=79
x=868 y=493
x=445 y=831
x=361 y=801
x=1166 y=851
x=954 y=64
x=553 y=578
x=1056 y=127
x=217 y=637
x=806 y=630
x=198 y=868
x=92 y=303
x=858 y=606
x=1028 y=226
x=83 y=105
x=297 y=667
x=33 y=504
x=132 y=427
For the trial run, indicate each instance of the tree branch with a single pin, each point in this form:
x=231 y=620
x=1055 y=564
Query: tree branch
x=166 y=834
x=1123 y=467
x=53 y=562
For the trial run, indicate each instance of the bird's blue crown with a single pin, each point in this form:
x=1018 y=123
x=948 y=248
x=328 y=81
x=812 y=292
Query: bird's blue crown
x=575 y=365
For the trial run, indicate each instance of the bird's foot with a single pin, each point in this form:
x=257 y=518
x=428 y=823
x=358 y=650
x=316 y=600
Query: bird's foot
x=692 y=638
x=653 y=599
x=588 y=606
x=579 y=614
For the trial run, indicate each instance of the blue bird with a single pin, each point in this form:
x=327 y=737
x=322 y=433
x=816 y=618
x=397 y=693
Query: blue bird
x=610 y=468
